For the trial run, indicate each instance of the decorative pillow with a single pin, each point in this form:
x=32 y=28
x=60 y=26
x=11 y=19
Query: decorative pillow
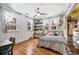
x=60 y=34
x=56 y=33
x=50 y=33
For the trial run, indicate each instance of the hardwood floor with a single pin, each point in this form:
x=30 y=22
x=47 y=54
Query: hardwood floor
x=73 y=50
x=29 y=47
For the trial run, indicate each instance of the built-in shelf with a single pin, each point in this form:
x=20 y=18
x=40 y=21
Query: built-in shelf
x=38 y=27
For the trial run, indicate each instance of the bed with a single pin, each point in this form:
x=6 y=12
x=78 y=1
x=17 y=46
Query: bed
x=54 y=42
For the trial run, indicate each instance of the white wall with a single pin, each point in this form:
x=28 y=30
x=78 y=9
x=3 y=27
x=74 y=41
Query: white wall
x=22 y=32
x=21 y=26
x=49 y=21
x=1 y=21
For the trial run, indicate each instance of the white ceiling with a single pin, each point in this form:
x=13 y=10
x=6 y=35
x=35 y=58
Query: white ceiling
x=52 y=9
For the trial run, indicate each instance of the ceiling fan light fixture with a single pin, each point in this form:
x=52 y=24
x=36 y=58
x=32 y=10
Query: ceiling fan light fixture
x=38 y=14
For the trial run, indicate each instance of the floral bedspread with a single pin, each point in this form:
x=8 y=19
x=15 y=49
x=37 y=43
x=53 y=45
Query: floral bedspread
x=55 y=43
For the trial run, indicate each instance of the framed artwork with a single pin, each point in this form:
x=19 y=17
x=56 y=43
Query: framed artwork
x=14 y=20
x=10 y=25
x=29 y=25
x=53 y=27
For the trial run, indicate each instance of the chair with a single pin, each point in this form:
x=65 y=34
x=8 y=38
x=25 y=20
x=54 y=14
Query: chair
x=8 y=49
x=5 y=49
x=12 y=39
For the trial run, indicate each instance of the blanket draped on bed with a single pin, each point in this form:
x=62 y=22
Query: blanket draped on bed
x=55 y=43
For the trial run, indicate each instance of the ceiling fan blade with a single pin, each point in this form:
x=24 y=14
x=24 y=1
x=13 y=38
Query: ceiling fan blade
x=43 y=14
x=38 y=12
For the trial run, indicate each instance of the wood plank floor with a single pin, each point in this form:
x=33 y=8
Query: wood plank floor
x=29 y=47
x=73 y=50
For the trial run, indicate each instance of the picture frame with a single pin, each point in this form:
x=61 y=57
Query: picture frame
x=10 y=25
x=29 y=25
x=53 y=27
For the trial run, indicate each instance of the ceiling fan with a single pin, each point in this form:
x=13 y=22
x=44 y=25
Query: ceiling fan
x=38 y=12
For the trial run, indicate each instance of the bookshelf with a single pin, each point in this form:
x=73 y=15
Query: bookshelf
x=38 y=27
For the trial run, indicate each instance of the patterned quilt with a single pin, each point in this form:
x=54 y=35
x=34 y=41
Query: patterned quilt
x=56 y=43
